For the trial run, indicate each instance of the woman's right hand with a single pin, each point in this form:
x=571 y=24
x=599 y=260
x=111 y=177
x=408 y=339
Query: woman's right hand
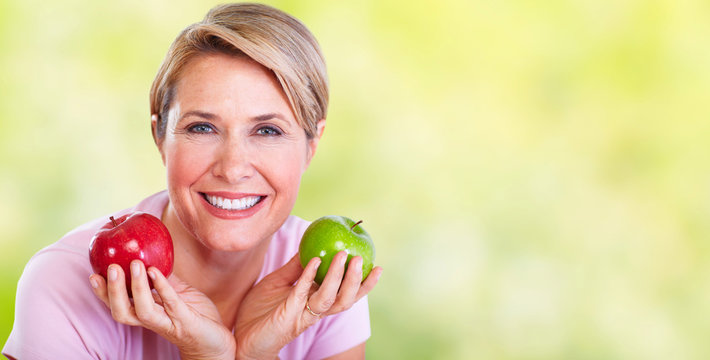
x=178 y=312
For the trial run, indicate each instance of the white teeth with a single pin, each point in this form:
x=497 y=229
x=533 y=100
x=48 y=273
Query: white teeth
x=233 y=204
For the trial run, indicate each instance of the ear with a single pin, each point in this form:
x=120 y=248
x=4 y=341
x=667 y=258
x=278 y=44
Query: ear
x=156 y=139
x=313 y=142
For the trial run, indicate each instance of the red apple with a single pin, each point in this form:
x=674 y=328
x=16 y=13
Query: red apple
x=132 y=236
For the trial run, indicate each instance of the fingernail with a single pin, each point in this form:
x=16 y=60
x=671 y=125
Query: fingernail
x=317 y=262
x=135 y=269
x=112 y=273
x=94 y=283
x=151 y=274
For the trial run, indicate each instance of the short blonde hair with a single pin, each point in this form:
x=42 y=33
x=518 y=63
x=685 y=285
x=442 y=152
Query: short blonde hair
x=269 y=36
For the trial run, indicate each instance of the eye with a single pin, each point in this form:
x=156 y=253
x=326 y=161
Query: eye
x=200 y=128
x=268 y=131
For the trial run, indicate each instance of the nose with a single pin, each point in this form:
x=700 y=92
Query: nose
x=233 y=163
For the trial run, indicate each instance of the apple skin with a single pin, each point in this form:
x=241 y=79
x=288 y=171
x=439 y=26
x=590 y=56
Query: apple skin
x=328 y=235
x=136 y=235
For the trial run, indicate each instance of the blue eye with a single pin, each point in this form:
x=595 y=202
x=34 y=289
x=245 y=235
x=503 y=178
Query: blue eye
x=268 y=131
x=200 y=128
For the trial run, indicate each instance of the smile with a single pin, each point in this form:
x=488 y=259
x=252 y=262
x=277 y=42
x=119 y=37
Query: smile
x=232 y=204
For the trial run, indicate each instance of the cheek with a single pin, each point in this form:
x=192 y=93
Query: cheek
x=285 y=172
x=184 y=163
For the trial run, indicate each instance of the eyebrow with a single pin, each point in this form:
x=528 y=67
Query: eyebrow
x=269 y=116
x=211 y=116
x=202 y=114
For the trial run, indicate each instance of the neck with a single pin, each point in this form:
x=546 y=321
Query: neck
x=223 y=276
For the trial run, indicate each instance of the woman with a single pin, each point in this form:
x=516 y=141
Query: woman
x=238 y=108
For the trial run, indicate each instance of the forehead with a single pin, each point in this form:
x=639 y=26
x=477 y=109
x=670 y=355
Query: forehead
x=212 y=69
x=220 y=82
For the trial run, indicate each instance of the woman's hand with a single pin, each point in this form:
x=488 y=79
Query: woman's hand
x=275 y=311
x=176 y=311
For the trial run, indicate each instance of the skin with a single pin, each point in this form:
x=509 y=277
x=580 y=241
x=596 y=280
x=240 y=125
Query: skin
x=231 y=132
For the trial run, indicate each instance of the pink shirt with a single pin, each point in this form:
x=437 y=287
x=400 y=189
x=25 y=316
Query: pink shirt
x=57 y=316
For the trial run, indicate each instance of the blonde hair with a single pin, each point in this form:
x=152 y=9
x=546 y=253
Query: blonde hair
x=276 y=40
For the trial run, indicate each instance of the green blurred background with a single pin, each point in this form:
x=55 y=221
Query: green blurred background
x=535 y=174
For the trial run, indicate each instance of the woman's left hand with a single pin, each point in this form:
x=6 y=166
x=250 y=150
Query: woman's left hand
x=275 y=311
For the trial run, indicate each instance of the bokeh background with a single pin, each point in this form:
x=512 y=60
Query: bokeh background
x=535 y=174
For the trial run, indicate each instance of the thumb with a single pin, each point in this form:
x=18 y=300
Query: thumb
x=177 y=283
x=289 y=273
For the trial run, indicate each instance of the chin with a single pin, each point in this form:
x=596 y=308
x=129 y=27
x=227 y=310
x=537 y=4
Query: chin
x=230 y=239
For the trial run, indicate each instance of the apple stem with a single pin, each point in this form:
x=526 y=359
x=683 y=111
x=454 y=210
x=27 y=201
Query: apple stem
x=113 y=221
x=356 y=224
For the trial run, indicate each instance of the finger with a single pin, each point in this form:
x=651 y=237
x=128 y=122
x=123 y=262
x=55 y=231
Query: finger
x=156 y=297
x=300 y=292
x=173 y=280
x=120 y=304
x=325 y=297
x=147 y=311
x=172 y=303
x=98 y=286
x=305 y=286
x=349 y=287
x=369 y=283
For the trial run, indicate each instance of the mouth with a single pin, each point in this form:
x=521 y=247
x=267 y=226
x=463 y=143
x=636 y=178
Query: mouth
x=242 y=203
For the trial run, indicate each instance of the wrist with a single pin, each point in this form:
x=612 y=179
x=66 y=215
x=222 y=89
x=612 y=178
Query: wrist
x=225 y=353
x=256 y=357
x=245 y=355
x=220 y=356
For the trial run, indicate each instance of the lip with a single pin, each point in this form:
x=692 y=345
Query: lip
x=231 y=214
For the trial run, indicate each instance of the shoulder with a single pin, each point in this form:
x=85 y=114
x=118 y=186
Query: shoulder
x=56 y=312
x=332 y=335
x=77 y=240
x=341 y=332
x=67 y=260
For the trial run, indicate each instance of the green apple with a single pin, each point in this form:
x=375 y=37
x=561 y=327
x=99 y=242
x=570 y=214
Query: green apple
x=328 y=235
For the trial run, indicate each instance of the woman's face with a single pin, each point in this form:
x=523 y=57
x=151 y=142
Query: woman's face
x=233 y=151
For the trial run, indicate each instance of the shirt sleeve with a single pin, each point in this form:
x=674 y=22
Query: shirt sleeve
x=57 y=316
x=341 y=332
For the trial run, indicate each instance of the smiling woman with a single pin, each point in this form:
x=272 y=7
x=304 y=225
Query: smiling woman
x=237 y=141
x=237 y=110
